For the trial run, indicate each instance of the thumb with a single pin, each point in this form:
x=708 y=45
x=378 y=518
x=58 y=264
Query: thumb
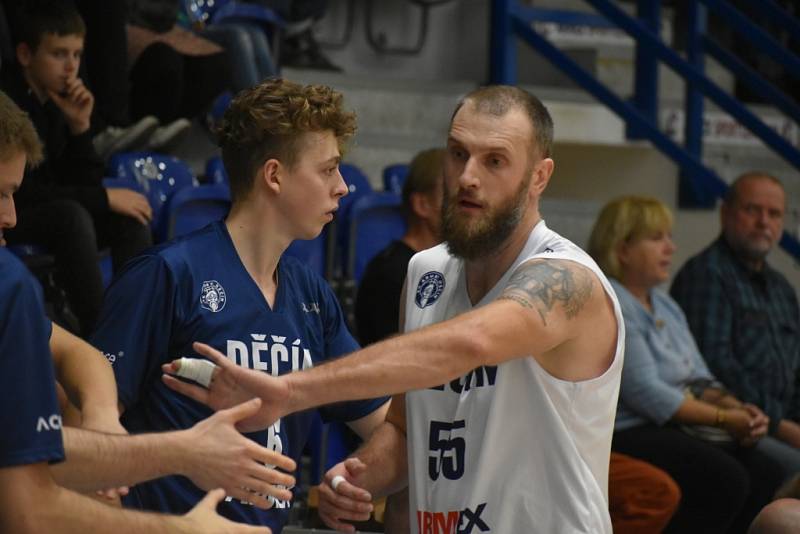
x=355 y=467
x=244 y=410
x=212 y=499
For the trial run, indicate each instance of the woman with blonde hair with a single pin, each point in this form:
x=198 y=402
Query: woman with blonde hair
x=672 y=412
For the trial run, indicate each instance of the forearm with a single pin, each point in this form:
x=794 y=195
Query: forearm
x=425 y=358
x=33 y=503
x=387 y=463
x=74 y=513
x=788 y=432
x=86 y=376
x=721 y=398
x=696 y=412
x=99 y=461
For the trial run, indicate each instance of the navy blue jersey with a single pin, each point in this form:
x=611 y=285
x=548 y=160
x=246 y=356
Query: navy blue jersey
x=29 y=415
x=197 y=289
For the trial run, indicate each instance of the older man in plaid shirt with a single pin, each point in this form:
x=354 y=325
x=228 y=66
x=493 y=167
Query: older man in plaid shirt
x=744 y=314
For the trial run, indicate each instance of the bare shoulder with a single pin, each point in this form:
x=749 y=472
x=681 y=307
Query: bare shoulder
x=547 y=285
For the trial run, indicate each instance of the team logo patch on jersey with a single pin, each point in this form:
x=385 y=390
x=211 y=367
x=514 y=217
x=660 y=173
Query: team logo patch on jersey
x=212 y=296
x=429 y=289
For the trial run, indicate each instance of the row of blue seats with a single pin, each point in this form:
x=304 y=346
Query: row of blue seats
x=366 y=222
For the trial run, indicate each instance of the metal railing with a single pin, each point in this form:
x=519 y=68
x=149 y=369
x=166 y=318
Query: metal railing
x=699 y=185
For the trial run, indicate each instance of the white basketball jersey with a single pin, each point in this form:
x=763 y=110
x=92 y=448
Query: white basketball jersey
x=507 y=449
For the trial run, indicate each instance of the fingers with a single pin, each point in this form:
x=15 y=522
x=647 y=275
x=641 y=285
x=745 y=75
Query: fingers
x=334 y=507
x=270 y=457
x=212 y=499
x=198 y=393
x=213 y=354
x=349 y=491
x=255 y=498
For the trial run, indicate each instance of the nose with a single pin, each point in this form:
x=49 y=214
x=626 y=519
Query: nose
x=341 y=186
x=671 y=245
x=8 y=214
x=469 y=175
x=72 y=64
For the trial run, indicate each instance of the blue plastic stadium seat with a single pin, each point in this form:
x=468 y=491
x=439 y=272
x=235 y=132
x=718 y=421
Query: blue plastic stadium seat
x=357 y=185
x=215 y=171
x=376 y=220
x=192 y=208
x=159 y=177
x=215 y=11
x=394 y=176
x=312 y=252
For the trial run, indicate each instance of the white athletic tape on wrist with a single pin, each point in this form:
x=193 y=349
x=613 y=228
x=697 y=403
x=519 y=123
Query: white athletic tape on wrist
x=196 y=369
x=338 y=479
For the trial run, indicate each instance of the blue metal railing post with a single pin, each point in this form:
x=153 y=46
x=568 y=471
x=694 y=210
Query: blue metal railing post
x=645 y=96
x=691 y=194
x=503 y=56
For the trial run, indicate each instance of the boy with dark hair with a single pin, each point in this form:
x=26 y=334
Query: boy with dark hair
x=62 y=204
x=230 y=286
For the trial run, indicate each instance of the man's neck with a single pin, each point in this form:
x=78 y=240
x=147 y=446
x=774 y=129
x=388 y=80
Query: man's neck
x=751 y=264
x=483 y=273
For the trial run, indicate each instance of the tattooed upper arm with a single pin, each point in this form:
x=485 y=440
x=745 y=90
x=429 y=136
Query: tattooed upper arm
x=541 y=284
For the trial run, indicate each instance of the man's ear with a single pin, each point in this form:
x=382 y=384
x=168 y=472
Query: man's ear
x=541 y=175
x=272 y=174
x=421 y=204
x=24 y=54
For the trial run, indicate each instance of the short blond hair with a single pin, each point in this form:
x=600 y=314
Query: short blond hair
x=625 y=220
x=17 y=133
x=270 y=119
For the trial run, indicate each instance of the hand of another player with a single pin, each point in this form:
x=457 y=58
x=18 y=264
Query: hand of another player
x=348 y=502
x=216 y=455
x=76 y=103
x=129 y=202
x=203 y=518
x=231 y=385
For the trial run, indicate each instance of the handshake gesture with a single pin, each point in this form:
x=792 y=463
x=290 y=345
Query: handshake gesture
x=229 y=385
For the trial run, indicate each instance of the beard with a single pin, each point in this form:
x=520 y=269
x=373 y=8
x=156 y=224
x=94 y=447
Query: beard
x=472 y=239
x=750 y=249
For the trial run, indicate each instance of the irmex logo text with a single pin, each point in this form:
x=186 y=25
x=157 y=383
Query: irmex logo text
x=463 y=522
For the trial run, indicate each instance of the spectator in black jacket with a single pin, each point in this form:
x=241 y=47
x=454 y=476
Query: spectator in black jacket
x=62 y=204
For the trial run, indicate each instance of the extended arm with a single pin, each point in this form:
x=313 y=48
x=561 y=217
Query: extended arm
x=212 y=454
x=26 y=487
x=550 y=309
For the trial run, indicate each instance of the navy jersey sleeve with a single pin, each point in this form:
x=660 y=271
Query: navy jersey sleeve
x=135 y=325
x=30 y=420
x=339 y=342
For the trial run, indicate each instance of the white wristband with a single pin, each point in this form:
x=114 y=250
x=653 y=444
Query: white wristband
x=338 y=479
x=196 y=369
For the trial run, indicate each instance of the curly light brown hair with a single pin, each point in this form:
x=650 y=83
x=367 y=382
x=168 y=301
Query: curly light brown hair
x=270 y=121
x=17 y=133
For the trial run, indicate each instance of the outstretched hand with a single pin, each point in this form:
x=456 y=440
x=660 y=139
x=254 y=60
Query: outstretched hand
x=203 y=518
x=231 y=385
x=216 y=455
